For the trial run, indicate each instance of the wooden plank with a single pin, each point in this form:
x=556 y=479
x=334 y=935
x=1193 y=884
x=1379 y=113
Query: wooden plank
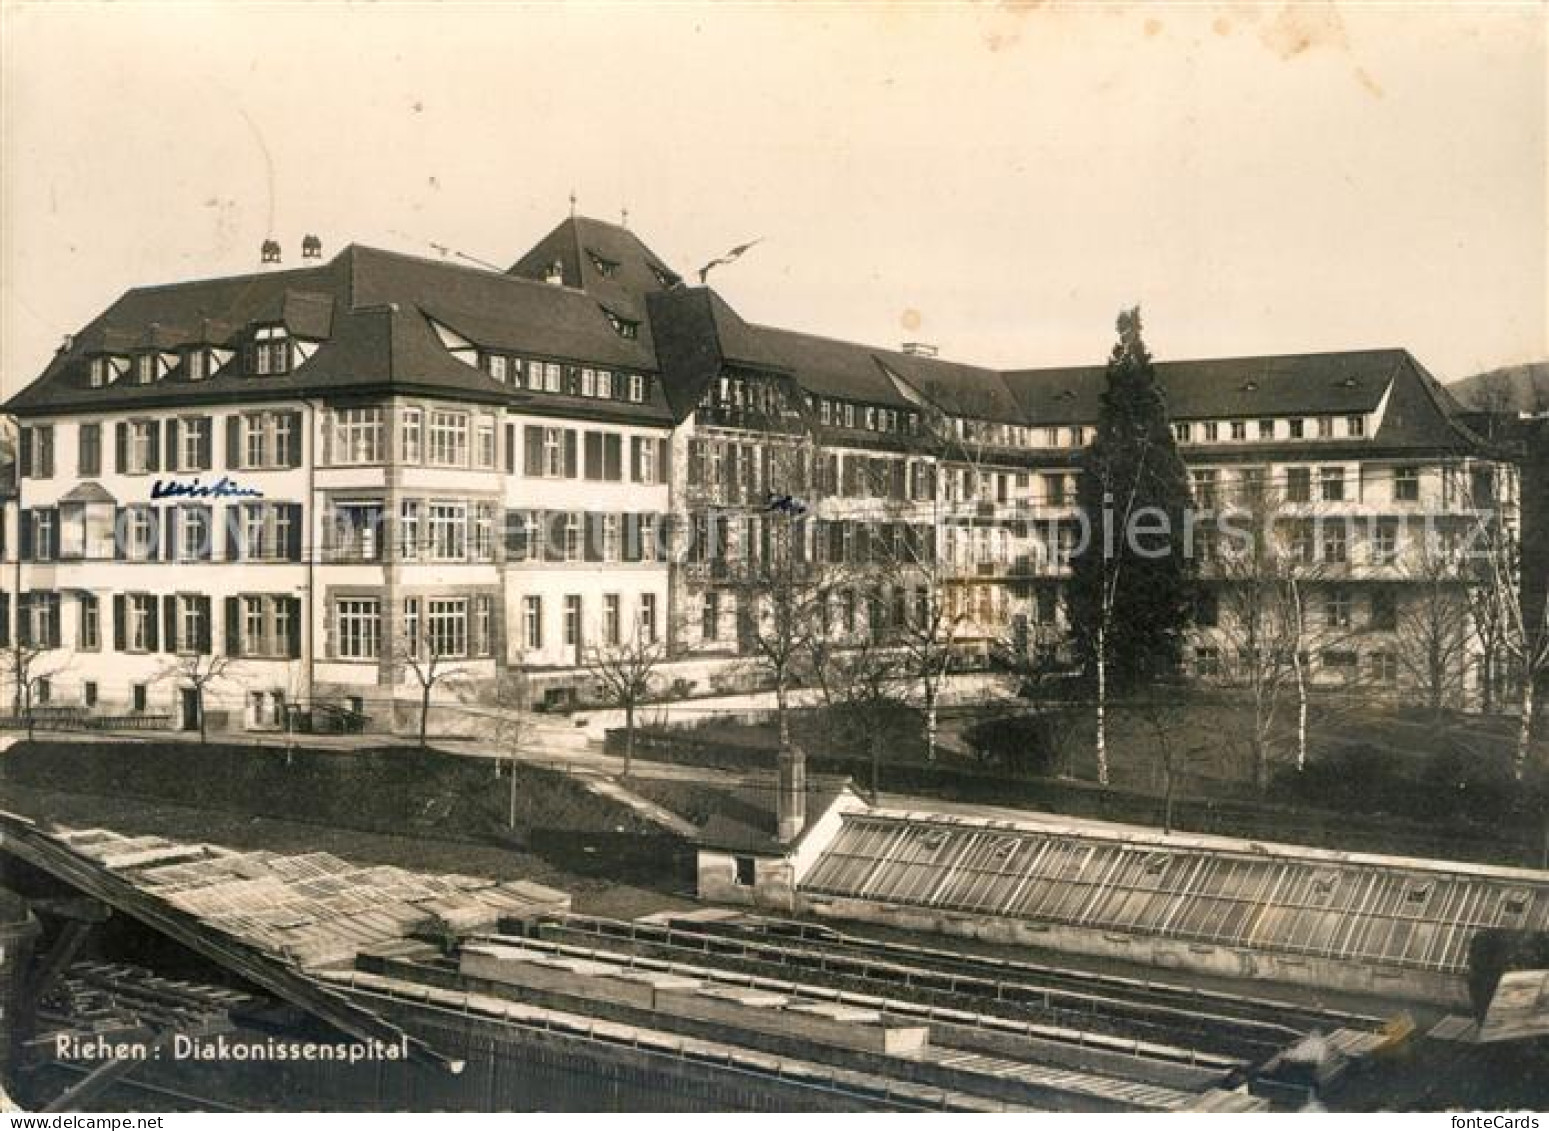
x=28 y=843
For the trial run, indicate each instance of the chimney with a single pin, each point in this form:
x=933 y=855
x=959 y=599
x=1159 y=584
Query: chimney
x=556 y=274
x=791 y=802
x=919 y=349
x=270 y=252
x=311 y=247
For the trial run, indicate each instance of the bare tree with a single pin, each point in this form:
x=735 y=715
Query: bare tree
x=867 y=681
x=1262 y=616
x=782 y=586
x=510 y=702
x=623 y=673
x=1434 y=624
x=430 y=669
x=959 y=437
x=1511 y=584
x=27 y=665
x=199 y=671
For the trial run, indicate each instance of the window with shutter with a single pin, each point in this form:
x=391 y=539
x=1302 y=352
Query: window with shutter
x=532 y=450
x=570 y=453
x=593 y=454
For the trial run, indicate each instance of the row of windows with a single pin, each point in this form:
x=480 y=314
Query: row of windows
x=1269 y=428
x=571 y=453
x=268 y=440
x=255 y=441
x=258 y=626
x=269 y=352
x=568 y=380
x=1382 y=667
x=465 y=627
x=871 y=418
x=1338 y=609
x=435 y=436
x=142 y=532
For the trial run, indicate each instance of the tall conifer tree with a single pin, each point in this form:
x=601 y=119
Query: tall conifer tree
x=1131 y=591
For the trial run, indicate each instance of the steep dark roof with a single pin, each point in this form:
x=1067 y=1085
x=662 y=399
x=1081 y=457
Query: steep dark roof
x=374 y=314
x=605 y=261
x=371 y=312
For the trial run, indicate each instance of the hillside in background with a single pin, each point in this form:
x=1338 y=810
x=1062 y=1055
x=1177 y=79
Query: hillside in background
x=1512 y=388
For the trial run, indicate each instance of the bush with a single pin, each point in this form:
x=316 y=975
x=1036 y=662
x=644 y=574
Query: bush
x=1360 y=779
x=1024 y=745
x=897 y=726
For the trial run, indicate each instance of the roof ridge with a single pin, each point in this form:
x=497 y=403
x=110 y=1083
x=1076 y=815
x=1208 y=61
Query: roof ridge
x=246 y=276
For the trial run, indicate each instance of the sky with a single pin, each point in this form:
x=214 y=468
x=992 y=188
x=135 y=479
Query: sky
x=997 y=179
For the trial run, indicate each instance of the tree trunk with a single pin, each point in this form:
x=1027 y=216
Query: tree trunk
x=629 y=737
x=930 y=722
x=875 y=742
x=199 y=706
x=1524 y=730
x=1301 y=678
x=511 y=799
x=782 y=716
x=424 y=714
x=1102 y=703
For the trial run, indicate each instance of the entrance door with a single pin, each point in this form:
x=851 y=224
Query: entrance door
x=190 y=699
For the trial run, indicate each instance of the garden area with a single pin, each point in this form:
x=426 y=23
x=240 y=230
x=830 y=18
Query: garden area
x=1420 y=783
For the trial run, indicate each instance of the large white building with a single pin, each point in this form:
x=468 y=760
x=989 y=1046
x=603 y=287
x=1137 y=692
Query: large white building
x=324 y=472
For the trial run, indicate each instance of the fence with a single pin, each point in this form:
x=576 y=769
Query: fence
x=1498 y=840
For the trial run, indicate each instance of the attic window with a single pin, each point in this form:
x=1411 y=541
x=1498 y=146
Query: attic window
x=146 y=368
x=623 y=327
x=666 y=278
x=271 y=350
x=497 y=365
x=1250 y=386
x=196 y=363
x=607 y=268
x=102 y=372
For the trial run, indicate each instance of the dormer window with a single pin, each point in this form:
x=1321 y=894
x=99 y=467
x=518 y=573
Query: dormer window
x=196 y=363
x=101 y=373
x=497 y=366
x=271 y=351
x=1355 y=426
x=146 y=368
x=607 y=268
x=636 y=388
x=623 y=327
x=1183 y=432
x=666 y=278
